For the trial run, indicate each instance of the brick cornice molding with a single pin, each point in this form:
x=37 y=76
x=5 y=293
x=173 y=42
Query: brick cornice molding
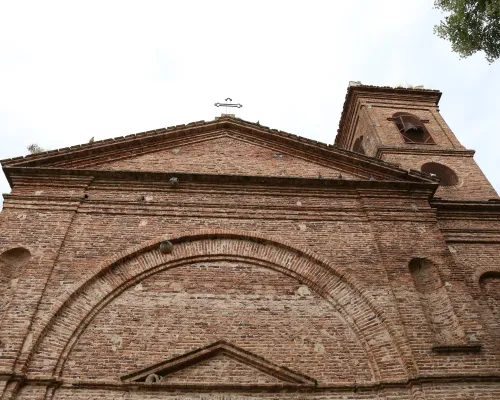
x=221 y=347
x=460 y=209
x=424 y=150
x=491 y=205
x=84 y=156
x=78 y=384
x=410 y=180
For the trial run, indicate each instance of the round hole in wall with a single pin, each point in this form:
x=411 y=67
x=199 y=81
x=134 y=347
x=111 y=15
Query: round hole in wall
x=447 y=176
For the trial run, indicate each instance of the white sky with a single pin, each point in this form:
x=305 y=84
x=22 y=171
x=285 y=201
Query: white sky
x=72 y=70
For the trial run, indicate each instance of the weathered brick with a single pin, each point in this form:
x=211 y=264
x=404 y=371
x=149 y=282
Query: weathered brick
x=379 y=284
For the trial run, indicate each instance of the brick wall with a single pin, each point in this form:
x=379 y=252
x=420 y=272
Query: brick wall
x=192 y=306
x=352 y=231
x=225 y=155
x=472 y=184
x=313 y=279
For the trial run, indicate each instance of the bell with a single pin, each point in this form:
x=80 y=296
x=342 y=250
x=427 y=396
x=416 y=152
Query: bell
x=410 y=127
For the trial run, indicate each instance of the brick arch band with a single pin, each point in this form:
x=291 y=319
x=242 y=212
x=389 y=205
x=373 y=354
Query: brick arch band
x=126 y=269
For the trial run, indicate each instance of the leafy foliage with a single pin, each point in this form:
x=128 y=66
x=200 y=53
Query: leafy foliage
x=34 y=148
x=471 y=26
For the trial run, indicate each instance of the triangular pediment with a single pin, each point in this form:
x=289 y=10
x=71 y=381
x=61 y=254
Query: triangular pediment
x=229 y=154
x=226 y=146
x=220 y=363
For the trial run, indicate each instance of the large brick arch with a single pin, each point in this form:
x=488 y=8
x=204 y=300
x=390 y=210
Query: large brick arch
x=128 y=268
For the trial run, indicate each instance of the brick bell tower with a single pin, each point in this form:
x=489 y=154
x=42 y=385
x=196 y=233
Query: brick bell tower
x=404 y=126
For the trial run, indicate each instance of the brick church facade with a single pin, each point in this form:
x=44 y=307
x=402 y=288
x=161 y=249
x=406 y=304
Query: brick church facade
x=226 y=260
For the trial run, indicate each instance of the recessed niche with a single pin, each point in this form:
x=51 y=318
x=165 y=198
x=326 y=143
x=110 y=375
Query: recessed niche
x=12 y=263
x=358 y=145
x=435 y=303
x=447 y=177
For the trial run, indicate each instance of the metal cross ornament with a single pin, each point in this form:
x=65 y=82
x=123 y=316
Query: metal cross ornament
x=226 y=104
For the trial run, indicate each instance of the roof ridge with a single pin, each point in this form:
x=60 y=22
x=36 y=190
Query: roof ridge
x=162 y=131
x=154 y=132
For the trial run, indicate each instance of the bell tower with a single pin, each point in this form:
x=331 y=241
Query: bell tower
x=404 y=126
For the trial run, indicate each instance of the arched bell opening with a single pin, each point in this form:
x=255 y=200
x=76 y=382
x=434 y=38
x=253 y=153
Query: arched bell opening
x=412 y=128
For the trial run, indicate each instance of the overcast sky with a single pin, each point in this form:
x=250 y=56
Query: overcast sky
x=72 y=70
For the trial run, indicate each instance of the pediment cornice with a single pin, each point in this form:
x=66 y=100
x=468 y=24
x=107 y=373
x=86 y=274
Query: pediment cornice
x=159 y=373
x=14 y=173
x=87 y=156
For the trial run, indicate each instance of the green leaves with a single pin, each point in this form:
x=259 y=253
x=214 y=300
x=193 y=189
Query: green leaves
x=34 y=148
x=471 y=26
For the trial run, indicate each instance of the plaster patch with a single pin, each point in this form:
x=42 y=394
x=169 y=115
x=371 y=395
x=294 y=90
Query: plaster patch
x=117 y=342
x=299 y=341
x=303 y=291
x=326 y=333
x=176 y=287
x=319 y=348
x=27 y=342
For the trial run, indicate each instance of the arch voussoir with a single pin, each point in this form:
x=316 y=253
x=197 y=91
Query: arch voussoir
x=54 y=345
